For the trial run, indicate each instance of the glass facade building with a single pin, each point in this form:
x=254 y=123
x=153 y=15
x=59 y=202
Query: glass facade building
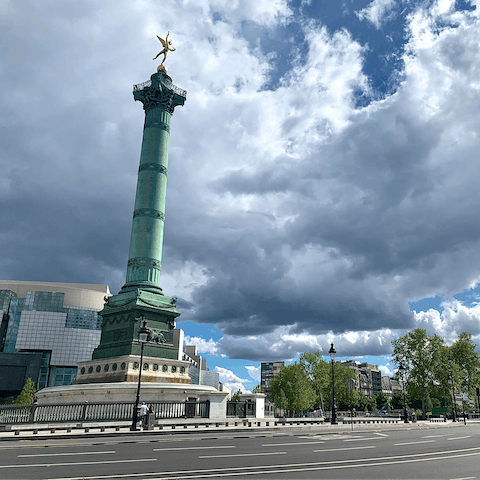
x=58 y=321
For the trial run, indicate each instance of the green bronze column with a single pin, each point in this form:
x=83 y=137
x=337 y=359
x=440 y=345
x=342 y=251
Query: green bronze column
x=141 y=298
x=159 y=98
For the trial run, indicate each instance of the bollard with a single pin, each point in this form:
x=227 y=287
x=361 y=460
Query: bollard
x=196 y=425
x=69 y=429
x=17 y=432
x=87 y=429
x=35 y=432
x=117 y=429
x=102 y=429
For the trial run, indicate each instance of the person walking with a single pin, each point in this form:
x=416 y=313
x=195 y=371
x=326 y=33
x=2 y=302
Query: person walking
x=143 y=413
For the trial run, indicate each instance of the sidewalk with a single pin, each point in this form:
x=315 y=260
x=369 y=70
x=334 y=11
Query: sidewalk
x=181 y=426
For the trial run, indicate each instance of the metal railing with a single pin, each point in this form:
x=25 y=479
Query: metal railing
x=241 y=409
x=84 y=412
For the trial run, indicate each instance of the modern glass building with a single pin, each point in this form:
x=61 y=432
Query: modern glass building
x=53 y=325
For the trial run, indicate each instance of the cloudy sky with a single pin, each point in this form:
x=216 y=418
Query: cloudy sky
x=323 y=181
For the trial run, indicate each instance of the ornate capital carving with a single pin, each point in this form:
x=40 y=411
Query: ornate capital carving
x=159 y=92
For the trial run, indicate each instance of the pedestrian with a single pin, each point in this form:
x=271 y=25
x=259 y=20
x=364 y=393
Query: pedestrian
x=143 y=412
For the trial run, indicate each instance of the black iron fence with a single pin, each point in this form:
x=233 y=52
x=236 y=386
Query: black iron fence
x=241 y=409
x=84 y=412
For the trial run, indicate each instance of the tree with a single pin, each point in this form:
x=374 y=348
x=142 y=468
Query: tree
x=291 y=389
x=27 y=395
x=320 y=373
x=397 y=400
x=465 y=363
x=257 y=389
x=236 y=396
x=422 y=356
x=381 y=400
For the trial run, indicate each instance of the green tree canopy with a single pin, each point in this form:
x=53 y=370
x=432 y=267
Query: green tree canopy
x=236 y=396
x=257 y=389
x=319 y=371
x=465 y=363
x=422 y=356
x=291 y=389
x=27 y=395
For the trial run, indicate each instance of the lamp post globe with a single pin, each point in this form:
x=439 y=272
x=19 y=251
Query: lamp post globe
x=142 y=338
x=402 y=369
x=332 y=353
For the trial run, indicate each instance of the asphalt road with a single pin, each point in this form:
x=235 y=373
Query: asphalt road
x=413 y=452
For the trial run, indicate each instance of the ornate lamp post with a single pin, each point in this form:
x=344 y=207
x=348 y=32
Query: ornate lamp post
x=142 y=338
x=401 y=368
x=450 y=381
x=332 y=353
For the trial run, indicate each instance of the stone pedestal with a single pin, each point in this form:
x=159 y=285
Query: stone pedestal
x=126 y=369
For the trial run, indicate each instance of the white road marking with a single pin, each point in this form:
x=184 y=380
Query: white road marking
x=459 y=438
x=359 y=439
x=64 y=464
x=63 y=454
x=381 y=434
x=243 y=455
x=343 y=449
x=435 y=436
x=289 y=444
x=463 y=478
x=413 y=443
x=192 y=448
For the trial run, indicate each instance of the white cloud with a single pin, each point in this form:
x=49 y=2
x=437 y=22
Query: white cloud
x=386 y=371
x=254 y=372
x=232 y=381
x=285 y=344
x=376 y=12
x=203 y=346
x=453 y=320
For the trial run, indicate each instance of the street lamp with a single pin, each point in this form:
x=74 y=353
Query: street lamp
x=450 y=381
x=332 y=353
x=142 y=338
x=401 y=368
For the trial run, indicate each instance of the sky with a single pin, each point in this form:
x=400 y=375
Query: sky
x=322 y=183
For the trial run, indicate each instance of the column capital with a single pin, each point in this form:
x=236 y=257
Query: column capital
x=159 y=92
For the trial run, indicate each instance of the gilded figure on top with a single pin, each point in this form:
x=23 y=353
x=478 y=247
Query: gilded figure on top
x=166 y=48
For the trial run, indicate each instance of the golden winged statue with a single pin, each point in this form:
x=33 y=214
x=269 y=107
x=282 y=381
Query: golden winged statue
x=166 y=48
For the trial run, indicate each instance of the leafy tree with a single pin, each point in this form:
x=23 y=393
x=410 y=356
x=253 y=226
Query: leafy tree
x=236 y=396
x=291 y=389
x=465 y=363
x=27 y=395
x=381 y=400
x=320 y=373
x=257 y=389
x=397 y=400
x=422 y=355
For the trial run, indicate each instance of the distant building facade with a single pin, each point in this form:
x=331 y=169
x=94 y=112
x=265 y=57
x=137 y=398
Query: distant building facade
x=267 y=371
x=368 y=378
x=46 y=329
x=198 y=370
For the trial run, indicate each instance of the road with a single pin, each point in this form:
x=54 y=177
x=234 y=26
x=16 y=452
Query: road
x=413 y=452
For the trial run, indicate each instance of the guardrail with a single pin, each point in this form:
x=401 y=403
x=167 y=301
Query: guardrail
x=85 y=412
x=371 y=420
